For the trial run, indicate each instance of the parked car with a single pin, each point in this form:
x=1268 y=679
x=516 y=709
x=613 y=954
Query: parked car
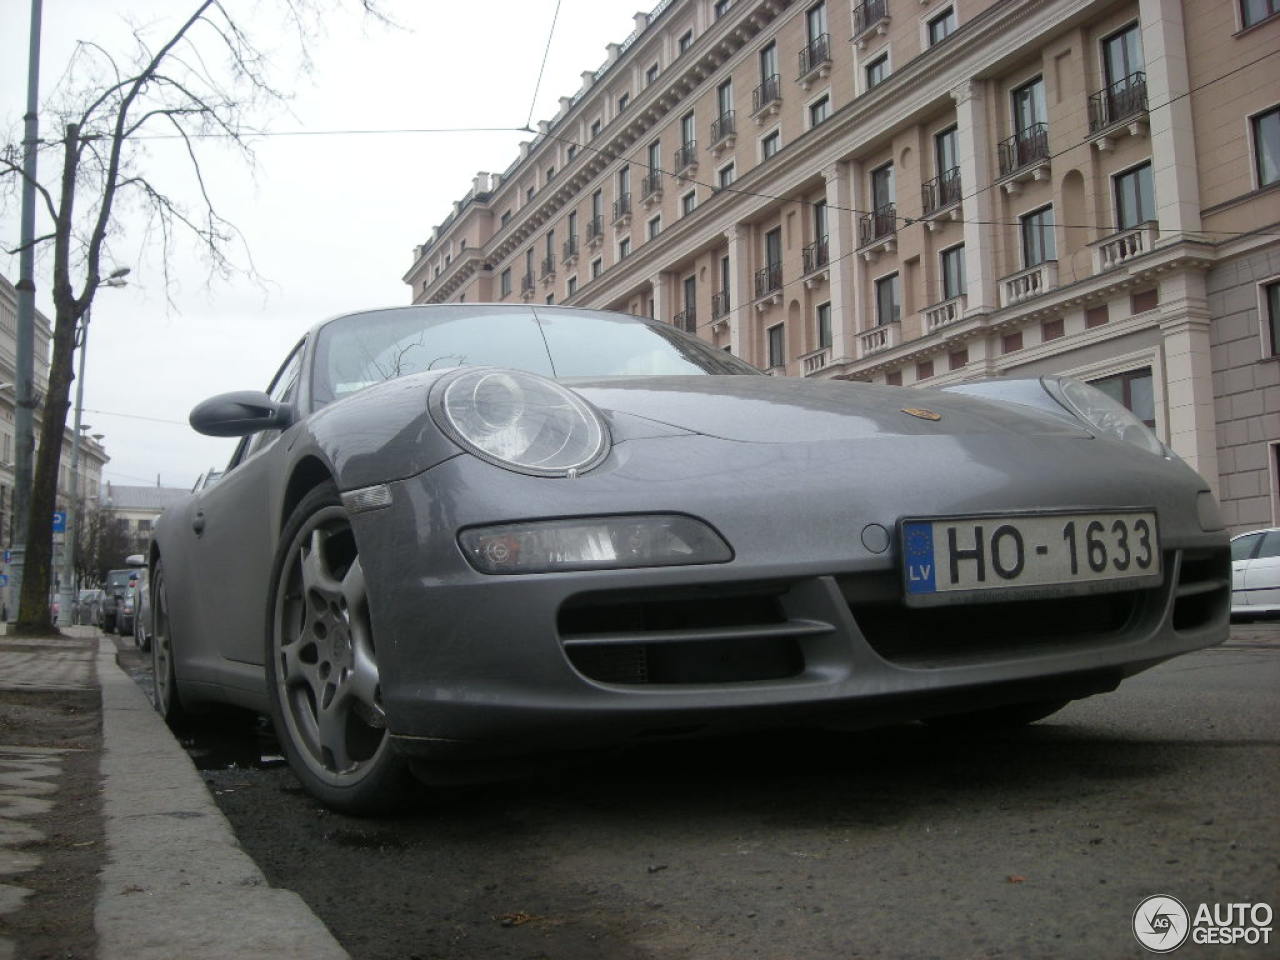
x=1255 y=573
x=453 y=533
x=142 y=610
x=87 y=606
x=112 y=618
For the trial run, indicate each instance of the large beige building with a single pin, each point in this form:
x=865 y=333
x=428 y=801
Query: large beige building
x=924 y=192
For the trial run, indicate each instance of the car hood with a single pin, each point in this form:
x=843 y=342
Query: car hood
x=789 y=410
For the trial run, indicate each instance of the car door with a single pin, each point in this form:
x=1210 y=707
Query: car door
x=234 y=535
x=1242 y=549
x=1262 y=575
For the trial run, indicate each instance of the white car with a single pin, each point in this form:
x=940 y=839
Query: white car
x=1255 y=572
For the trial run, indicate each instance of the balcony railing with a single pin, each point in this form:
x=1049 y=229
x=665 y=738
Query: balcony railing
x=768 y=279
x=723 y=127
x=1121 y=101
x=526 y=283
x=814 y=55
x=1119 y=248
x=595 y=229
x=942 y=191
x=868 y=14
x=686 y=156
x=622 y=207
x=1029 y=283
x=570 y=248
x=719 y=304
x=548 y=267
x=877 y=339
x=944 y=313
x=880 y=223
x=686 y=320
x=1024 y=148
x=815 y=361
x=815 y=255
x=768 y=93
x=651 y=185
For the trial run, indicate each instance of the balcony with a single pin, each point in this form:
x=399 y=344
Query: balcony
x=815 y=361
x=686 y=320
x=569 y=249
x=768 y=285
x=1119 y=248
x=816 y=256
x=622 y=210
x=944 y=314
x=651 y=189
x=870 y=19
x=548 y=272
x=766 y=99
x=595 y=231
x=942 y=193
x=1029 y=283
x=686 y=160
x=879 y=339
x=526 y=286
x=1024 y=156
x=815 y=61
x=724 y=133
x=1118 y=109
x=878 y=231
x=719 y=308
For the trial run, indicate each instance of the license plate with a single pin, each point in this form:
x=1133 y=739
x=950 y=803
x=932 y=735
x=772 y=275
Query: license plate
x=1023 y=555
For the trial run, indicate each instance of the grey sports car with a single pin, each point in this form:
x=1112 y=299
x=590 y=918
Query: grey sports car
x=454 y=533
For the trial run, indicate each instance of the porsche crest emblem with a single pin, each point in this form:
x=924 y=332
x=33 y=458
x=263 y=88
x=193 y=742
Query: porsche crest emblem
x=922 y=413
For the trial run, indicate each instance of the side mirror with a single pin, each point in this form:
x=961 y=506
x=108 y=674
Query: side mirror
x=135 y=560
x=239 y=414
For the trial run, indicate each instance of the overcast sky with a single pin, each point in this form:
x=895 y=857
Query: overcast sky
x=330 y=221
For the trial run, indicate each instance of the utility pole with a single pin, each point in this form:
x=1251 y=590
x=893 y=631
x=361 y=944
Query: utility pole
x=24 y=417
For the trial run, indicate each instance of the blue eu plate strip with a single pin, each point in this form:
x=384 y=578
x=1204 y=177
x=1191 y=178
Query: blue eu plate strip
x=917 y=541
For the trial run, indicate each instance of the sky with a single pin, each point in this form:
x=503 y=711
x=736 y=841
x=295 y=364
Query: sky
x=329 y=222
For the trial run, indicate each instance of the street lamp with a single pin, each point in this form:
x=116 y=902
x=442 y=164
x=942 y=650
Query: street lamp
x=65 y=606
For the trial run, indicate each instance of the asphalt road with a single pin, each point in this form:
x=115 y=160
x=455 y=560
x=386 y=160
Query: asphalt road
x=893 y=843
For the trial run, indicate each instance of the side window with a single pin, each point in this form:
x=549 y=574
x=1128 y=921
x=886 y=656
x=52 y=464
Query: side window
x=1242 y=547
x=1270 y=546
x=283 y=389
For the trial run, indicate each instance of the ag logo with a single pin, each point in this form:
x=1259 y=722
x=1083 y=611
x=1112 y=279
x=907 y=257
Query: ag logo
x=1161 y=923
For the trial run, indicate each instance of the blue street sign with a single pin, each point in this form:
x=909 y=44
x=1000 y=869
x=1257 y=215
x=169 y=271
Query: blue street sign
x=8 y=556
x=4 y=579
x=60 y=521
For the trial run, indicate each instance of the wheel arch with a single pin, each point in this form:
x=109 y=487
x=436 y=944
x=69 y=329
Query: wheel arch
x=307 y=474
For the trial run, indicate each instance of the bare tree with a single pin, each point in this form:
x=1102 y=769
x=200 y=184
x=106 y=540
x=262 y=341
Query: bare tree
x=103 y=545
x=203 y=84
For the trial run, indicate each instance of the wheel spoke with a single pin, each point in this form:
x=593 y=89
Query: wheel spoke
x=332 y=723
x=316 y=575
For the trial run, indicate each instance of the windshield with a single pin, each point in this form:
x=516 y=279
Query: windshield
x=356 y=351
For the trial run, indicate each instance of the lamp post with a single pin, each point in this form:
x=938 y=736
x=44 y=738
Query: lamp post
x=68 y=593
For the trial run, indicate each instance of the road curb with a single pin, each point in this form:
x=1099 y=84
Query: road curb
x=176 y=883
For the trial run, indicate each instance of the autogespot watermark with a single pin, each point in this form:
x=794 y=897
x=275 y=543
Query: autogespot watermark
x=1162 y=923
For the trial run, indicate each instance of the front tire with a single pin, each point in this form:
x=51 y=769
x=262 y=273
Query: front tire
x=164 y=695
x=322 y=667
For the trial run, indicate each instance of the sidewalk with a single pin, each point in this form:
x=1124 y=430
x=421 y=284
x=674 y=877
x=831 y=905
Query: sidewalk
x=173 y=880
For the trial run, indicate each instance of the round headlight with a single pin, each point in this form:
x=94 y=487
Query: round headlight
x=1101 y=412
x=520 y=421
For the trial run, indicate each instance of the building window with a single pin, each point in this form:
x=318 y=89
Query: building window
x=942 y=26
x=724 y=177
x=888 y=300
x=1028 y=105
x=819 y=110
x=1255 y=11
x=597 y=267
x=1135 y=389
x=1037 y=237
x=624 y=248
x=1135 y=197
x=688 y=202
x=768 y=62
x=946 y=150
x=686 y=40
x=1122 y=55
x=777 y=357
x=882 y=192
x=572 y=152
x=551 y=174
x=595 y=129
x=1270 y=300
x=721 y=8
x=824 y=325
x=877 y=70
x=1096 y=316
x=1266 y=145
x=504 y=283
x=1053 y=329
x=924 y=369
x=651 y=75
x=770 y=145
x=624 y=101
x=506 y=217
x=953 y=280
x=572 y=286
x=551 y=298
x=654 y=227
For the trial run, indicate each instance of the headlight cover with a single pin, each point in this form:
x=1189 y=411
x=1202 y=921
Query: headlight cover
x=593 y=543
x=1102 y=413
x=520 y=421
